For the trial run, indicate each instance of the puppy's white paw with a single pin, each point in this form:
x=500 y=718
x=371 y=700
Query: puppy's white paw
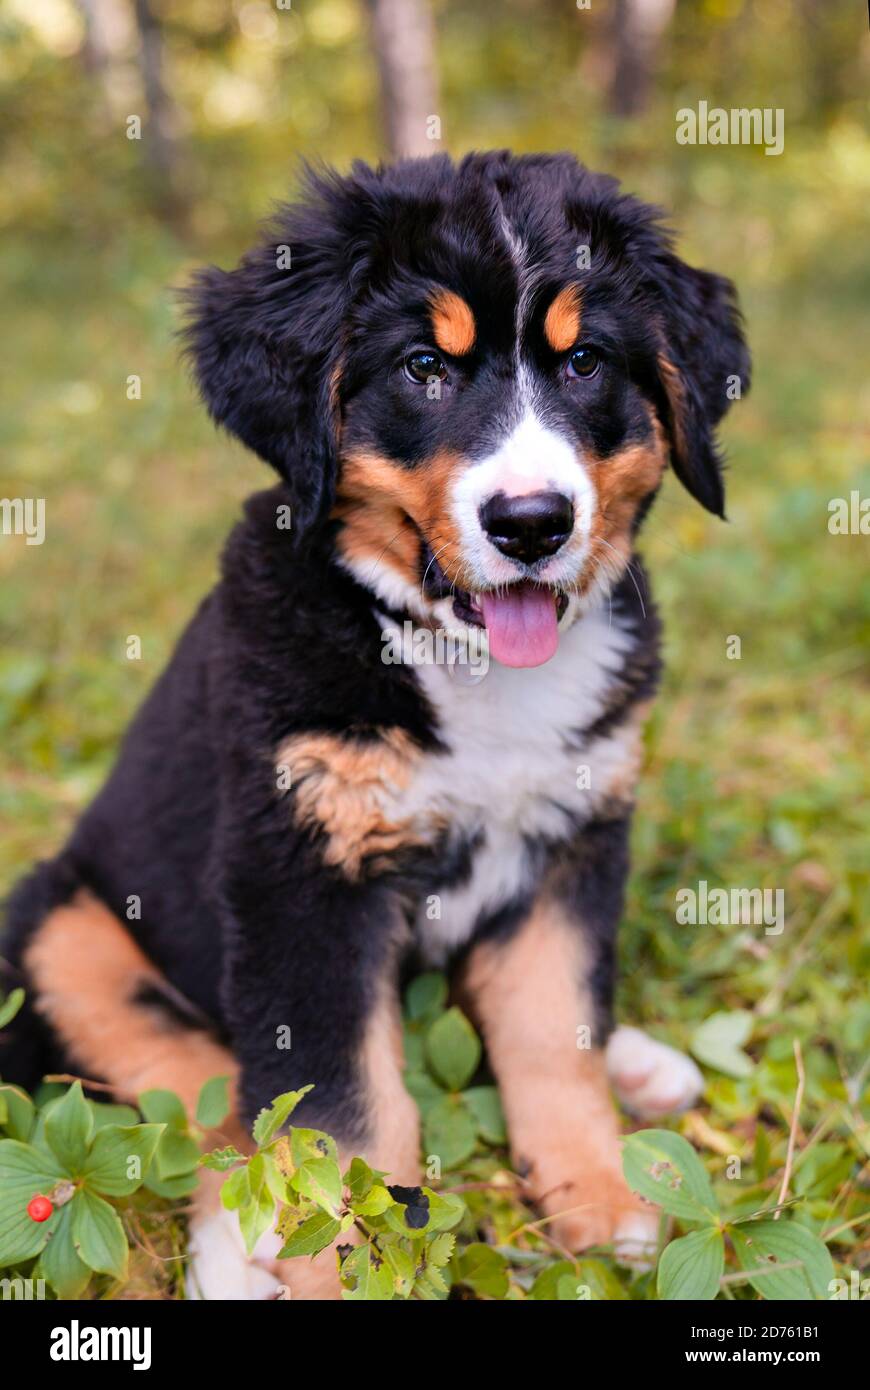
x=649 y=1077
x=635 y=1240
x=220 y=1268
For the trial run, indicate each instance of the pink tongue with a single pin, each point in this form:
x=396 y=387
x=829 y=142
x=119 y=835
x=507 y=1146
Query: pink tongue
x=521 y=625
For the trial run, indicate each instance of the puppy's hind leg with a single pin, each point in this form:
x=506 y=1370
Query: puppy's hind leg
x=123 y=1023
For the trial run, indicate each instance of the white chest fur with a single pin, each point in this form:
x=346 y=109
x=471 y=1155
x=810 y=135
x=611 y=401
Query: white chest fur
x=516 y=771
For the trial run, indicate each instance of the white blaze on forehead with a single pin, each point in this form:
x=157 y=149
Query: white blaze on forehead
x=526 y=280
x=532 y=458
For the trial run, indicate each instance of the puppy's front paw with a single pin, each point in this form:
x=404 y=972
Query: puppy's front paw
x=649 y=1077
x=595 y=1206
x=220 y=1268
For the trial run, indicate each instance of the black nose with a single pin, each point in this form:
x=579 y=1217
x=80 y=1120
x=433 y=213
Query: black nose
x=527 y=527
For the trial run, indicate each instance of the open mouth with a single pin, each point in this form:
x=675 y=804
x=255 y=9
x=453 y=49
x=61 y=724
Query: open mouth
x=521 y=621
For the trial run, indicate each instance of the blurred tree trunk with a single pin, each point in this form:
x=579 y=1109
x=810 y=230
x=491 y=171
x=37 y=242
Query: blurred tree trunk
x=161 y=147
x=95 y=51
x=403 y=38
x=637 y=27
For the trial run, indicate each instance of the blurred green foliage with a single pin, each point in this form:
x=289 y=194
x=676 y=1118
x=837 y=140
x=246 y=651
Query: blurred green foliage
x=757 y=768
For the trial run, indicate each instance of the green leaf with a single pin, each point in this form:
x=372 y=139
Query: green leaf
x=822 y=1170
x=311 y=1235
x=19 y=1112
x=445 y=1210
x=664 y=1168
x=569 y=1289
x=691 y=1267
x=164 y=1108
x=171 y=1188
x=440 y=1250
x=10 y=1006
x=105 y=1113
x=307 y=1144
x=484 y=1270
x=24 y=1171
x=371 y=1276
x=718 y=1042
x=175 y=1155
x=98 y=1234
x=320 y=1180
x=582 y=1280
x=115 y=1150
x=762 y=1246
x=59 y=1263
x=69 y=1125
x=236 y=1190
x=426 y=996
x=270 y=1120
x=484 y=1102
x=601 y=1281
x=275 y=1179
x=450 y=1131
x=374 y=1203
x=359 y=1178
x=431 y=1286
x=213 y=1104
x=256 y=1215
x=453 y=1049
x=221 y=1160
x=403 y=1268
x=546 y=1286
x=425 y=1090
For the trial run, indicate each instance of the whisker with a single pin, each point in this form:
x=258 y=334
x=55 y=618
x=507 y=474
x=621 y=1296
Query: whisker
x=630 y=570
x=377 y=559
x=429 y=566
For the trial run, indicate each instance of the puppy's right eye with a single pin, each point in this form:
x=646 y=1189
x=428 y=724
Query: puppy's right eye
x=420 y=367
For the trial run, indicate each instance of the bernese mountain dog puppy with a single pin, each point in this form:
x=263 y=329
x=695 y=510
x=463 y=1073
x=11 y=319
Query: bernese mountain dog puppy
x=470 y=379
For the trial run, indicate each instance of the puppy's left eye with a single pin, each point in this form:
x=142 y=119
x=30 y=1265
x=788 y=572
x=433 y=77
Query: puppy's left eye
x=420 y=367
x=584 y=362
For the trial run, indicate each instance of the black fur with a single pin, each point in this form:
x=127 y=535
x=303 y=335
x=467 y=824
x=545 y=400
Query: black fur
x=238 y=909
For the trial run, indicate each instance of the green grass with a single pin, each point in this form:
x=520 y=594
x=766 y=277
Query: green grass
x=756 y=772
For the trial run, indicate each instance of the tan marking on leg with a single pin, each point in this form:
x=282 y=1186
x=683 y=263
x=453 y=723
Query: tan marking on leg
x=345 y=787
x=530 y=996
x=452 y=323
x=562 y=322
x=395 y=1120
x=86 y=967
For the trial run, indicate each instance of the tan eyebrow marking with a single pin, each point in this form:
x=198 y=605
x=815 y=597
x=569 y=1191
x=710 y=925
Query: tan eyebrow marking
x=562 y=324
x=453 y=323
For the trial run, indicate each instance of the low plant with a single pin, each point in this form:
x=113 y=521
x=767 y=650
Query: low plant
x=78 y=1177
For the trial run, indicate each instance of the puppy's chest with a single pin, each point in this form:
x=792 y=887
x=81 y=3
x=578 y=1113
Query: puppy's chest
x=514 y=775
x=517 y=777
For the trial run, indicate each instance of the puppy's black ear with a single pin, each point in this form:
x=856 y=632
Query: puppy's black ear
x=703 y=365
x=692 y=326
x=265 y=341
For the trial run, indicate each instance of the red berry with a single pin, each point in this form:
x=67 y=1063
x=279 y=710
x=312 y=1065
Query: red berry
x=39 y=1208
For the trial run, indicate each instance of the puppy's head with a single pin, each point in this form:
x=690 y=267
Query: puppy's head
x=477 y=375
